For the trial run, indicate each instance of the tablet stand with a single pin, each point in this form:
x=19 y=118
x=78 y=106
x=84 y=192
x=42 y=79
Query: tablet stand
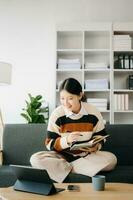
x=35 y=187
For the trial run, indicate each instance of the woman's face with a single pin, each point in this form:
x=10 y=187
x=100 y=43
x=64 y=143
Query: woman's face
x=70 y=101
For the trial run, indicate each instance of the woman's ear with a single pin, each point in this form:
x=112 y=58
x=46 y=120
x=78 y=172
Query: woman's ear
x=81 y=95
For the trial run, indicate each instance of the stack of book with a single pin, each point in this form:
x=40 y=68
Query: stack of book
x=122 y=42
x=123 y=61
x=69 y=63
x=94 y=84
x=100 y=103
x=96 y=65
x=121 y=102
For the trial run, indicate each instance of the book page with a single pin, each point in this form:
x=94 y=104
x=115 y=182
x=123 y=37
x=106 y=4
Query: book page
x=91 y=143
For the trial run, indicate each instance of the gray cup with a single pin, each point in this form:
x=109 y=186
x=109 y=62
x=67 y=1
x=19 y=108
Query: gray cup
x=98 y=182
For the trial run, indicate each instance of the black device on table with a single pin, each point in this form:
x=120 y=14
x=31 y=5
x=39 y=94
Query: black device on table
x=33 y=180
x=75 y=188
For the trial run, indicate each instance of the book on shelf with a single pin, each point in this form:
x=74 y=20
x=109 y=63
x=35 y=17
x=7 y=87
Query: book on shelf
x=100 y=103
x=115 y=101
x=126 y=62
x=96 y=84
x=122 y=42
x=126 y=99
x=117 y=63
x=123 y=61
x=92 y=142
x=130 y=82
x=122 y=37
x=121 y=58
x=96 y=65
x=131 y=61
x=69 y=63
x=121 y=102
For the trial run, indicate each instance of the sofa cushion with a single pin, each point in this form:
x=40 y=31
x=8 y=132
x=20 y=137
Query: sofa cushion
x=20 y=141
x=120 y=142
x=77 y=178
x=7 y=178
x=121 y=174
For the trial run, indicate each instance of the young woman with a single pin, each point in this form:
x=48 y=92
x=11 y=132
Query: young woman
x=75 y=120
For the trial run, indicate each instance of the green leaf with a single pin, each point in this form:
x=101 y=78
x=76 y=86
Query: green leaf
x=38 y=97
x=26 y=117
x=36 y=105
x=34 y=112
x=41 y=110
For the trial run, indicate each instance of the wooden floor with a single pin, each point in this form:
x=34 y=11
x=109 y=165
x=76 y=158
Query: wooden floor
x=113 y=191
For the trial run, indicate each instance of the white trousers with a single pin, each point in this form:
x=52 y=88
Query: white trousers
x=58 y=168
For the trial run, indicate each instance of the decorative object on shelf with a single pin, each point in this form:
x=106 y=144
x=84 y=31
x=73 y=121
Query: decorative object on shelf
x=35 y=112
x=5 y=78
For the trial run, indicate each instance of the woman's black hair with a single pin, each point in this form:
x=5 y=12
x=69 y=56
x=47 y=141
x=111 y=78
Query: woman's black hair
x=72 y=86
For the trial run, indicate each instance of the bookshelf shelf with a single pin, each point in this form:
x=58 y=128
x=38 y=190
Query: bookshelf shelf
x=123 y=51
x=122 y=90
x=69 y=70
x=69 y=50
x=93 y=44
x=96 y=50
x=123 y=111
x=123 y=70
x=96 y=90
x=97 y=70
x=105 y=111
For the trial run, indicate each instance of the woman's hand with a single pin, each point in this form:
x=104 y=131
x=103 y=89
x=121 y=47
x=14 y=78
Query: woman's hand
x=90 y=149
x=73 y=137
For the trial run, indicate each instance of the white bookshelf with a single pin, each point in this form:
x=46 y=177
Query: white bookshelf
x=120 y=76
x=93 y=43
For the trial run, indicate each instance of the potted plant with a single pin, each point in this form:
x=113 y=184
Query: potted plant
x=34 y=111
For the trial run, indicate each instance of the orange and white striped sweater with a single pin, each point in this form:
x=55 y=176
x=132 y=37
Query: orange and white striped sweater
x=62 y=122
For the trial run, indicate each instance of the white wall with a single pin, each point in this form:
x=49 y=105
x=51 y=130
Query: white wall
x=27 y=41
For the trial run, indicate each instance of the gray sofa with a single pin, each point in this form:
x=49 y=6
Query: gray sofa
x=20 y=141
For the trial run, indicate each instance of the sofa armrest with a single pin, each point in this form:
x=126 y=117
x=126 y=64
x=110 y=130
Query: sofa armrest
x=1 y=157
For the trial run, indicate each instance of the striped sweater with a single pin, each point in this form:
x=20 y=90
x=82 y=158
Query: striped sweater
x=62 y=122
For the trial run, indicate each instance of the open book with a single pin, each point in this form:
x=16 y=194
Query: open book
x=95 y=139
